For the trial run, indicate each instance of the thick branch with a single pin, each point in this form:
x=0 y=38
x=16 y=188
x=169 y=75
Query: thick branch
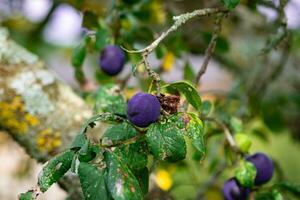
x=41 y=113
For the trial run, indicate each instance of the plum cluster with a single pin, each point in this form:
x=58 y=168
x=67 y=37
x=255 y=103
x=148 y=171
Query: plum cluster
x=232 y=190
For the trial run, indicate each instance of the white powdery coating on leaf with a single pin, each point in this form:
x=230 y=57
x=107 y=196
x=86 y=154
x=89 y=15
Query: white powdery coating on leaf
x=77 y=163
x=119 y=187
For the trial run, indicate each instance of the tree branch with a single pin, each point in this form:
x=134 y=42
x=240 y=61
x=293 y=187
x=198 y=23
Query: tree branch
x=35 y=106
x=211 y=47
x=178 y=21
x=227 y=133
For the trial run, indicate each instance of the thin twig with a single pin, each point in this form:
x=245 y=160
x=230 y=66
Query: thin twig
x=211 y=47
x=227 y=133
x=155 y=77
x=282 y=31
x=211 y=180
x=178 y=21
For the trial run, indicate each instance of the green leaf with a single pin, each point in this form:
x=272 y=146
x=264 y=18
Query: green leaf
x=269 y=195
x=119 y=132
x=104 y=117
x=79 y=53
x=231 y=4
x=188 y=90
x=166 y=141
x=263 y=196
x=142 y=176
x=27 y=196
x=236 y=124
x=245 y=174
x=109 y=99
x=79 y=141
x=92 y=182
x=121 y=182
x=160 y=51
x=188 y=72
x=104 y=78
x=55 y=169
x=277 y=195
x=89 y=152
x=291 y=187
x=135 y=155
x=195 y=131
x=206 y=107
x=101 y=38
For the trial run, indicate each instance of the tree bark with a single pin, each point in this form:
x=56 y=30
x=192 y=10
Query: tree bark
x=38 y=111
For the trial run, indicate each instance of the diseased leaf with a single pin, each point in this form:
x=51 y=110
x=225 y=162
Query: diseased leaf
x=79 y=141
x=92 y=180
x=103 y=117
x=134 y=155
x=121 y=182
x=245 y=174
x=55 y=169
x=195 y=131
x=166 y=141
x=108 y=98
x=119 y=132
x=188 y=90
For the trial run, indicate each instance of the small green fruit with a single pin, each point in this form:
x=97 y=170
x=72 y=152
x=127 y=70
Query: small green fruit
x=243 y=142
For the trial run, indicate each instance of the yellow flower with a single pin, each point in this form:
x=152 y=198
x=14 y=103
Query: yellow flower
x=163 y=179
x=168 y=62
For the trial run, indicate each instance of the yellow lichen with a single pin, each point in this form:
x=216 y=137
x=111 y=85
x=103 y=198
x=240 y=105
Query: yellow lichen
x=14 y=118
x=32 y=120
x=48 y=140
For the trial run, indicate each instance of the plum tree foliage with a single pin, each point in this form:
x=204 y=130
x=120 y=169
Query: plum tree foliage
x=166 y=123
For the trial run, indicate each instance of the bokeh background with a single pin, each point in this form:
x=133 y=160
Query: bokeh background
x=52 y=28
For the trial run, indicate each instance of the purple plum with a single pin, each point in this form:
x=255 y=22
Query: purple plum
x=143 y=109
x=264 y=167
x=112 y=60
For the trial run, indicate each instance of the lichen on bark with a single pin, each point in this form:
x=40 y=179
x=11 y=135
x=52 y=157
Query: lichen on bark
x=41 y=113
